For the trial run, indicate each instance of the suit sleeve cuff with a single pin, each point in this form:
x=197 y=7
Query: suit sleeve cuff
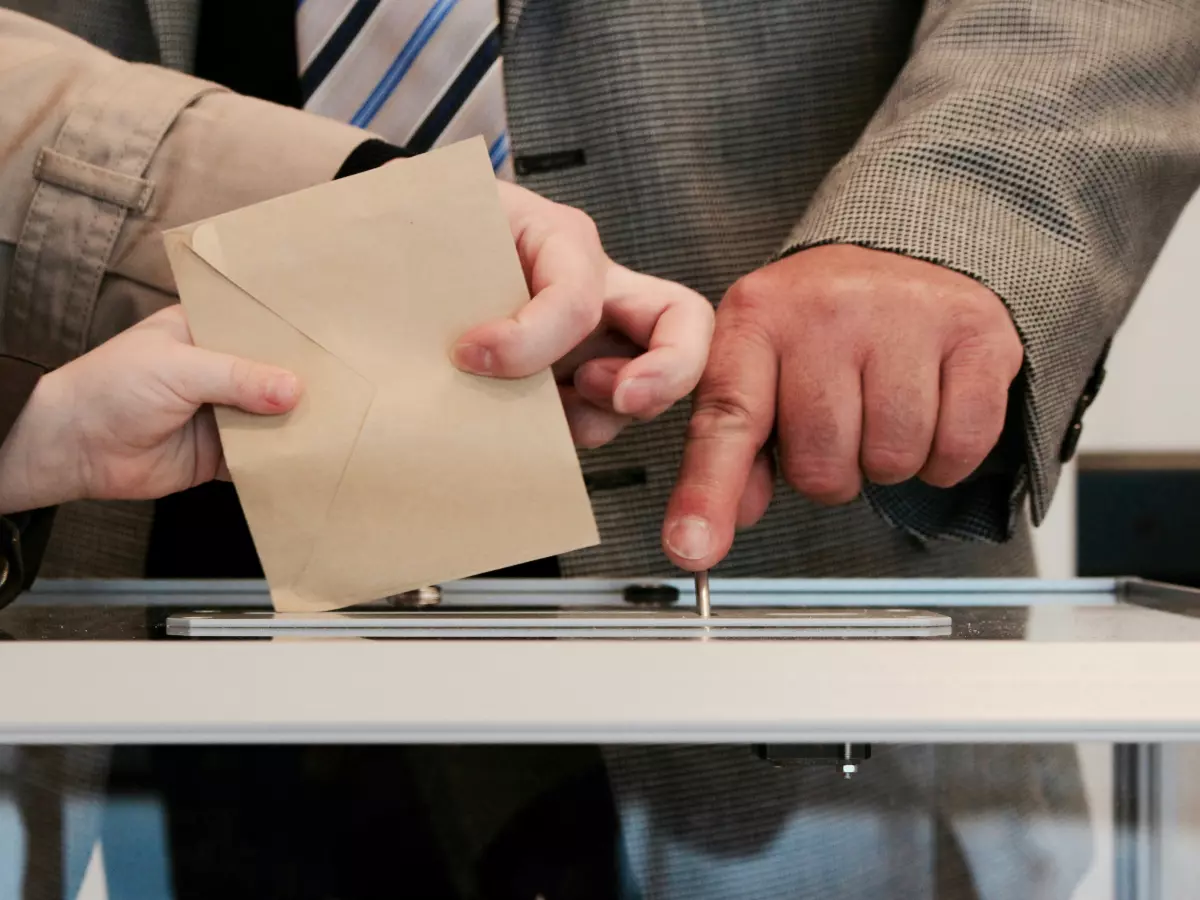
x=873 y=200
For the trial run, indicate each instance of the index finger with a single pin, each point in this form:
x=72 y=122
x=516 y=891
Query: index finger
x=732 y=418
x=675 y=324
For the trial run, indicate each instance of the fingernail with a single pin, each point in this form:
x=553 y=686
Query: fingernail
x=689 y=538
x=633 y=394
x=473 y=358
x=281 y=390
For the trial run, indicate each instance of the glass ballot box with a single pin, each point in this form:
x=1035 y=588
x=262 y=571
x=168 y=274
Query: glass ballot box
x=950 y=740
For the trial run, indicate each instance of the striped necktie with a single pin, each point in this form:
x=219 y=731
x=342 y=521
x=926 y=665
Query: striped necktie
x=419 y=73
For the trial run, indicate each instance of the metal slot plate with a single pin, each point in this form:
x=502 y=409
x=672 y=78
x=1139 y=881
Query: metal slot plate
x=624 y=624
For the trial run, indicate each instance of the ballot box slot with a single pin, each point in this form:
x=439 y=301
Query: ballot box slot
x=622 y=624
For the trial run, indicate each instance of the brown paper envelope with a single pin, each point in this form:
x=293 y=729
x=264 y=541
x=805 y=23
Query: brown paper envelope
x=395 y=470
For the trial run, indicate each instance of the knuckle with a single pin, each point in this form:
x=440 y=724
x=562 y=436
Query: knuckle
x=506 y=346
x=823 y=478
x=899 y=424
x=244 y=378
x=698 y=307
x=972 y=354
x=750 y=294
x=975 y=426
x=820 y=434
x=591 y=427
x=885 y=464
x=576 y=316
x=583 y=224
x=965 y=447
x=979 y=402
x=591 y=434
x=589 y=438
x=987 y=354
x=739 y=338
x=817 y=467
x=939 y=477
x=721 y=414
x=810 y=305
x=1012 y=357
x=815 y=458
x=584 y=315
x=824 y=303
x=979 y=414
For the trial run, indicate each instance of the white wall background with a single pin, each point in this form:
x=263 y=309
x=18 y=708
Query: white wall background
x=1149 y=403
x=1150 y=400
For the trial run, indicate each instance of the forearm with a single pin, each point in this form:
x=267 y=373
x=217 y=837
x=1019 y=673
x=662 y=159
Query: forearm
x=98 y=157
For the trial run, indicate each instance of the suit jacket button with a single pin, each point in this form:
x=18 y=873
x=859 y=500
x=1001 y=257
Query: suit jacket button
x=1071 y=442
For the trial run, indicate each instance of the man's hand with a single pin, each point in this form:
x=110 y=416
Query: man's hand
x=623 y=345
x=130 y=420
x=862 y=364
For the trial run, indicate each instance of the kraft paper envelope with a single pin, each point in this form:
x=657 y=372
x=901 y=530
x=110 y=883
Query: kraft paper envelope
x=396 y=470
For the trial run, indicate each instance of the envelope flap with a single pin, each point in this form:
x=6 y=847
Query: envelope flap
x=286 y=469
x=389 y=247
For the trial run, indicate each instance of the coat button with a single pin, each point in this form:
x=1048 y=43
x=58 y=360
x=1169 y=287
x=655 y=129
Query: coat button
x=1071 y=442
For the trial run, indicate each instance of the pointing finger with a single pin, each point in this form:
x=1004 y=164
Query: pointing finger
x=731 y=420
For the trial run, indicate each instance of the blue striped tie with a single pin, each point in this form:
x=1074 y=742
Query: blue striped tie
x=420 y=73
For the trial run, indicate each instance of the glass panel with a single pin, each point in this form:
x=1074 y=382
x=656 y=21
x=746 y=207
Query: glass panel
x=955 y=822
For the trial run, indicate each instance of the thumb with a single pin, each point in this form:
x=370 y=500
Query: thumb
x=224 y=380
x=732 y=418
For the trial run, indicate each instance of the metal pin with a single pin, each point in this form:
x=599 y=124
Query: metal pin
x=703 y=601
x=426 y=596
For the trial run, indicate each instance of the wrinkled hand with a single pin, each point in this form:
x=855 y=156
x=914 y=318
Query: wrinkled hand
x=623 y=346
x=130 y=420
x=860 y=364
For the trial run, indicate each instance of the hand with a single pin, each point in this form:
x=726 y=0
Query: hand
x=865 y=364
x=129 y=419
x=623 y=345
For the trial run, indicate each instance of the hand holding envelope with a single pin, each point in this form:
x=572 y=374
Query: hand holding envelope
x=624 y=345
x=396 y=469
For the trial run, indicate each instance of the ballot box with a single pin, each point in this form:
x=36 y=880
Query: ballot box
x=948 y=739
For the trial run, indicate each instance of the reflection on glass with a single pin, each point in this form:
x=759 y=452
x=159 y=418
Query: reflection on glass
x=969 y=822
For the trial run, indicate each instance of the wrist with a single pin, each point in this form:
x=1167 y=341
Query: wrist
x=41 y=463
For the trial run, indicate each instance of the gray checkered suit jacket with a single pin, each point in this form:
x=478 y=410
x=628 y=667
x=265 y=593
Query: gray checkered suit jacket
x=1044 y=148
